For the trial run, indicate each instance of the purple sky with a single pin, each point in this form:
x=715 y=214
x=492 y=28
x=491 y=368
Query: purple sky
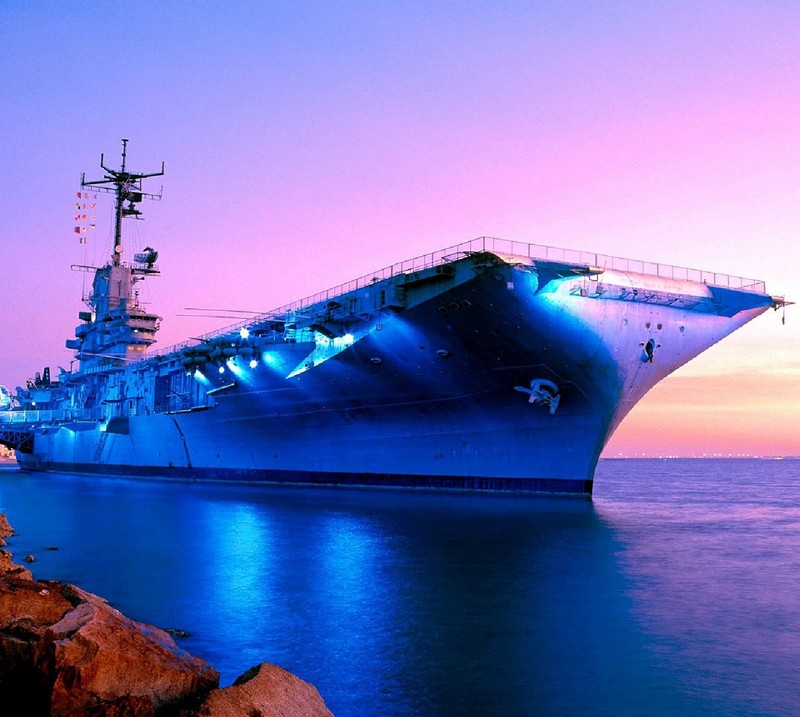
x=308 y=143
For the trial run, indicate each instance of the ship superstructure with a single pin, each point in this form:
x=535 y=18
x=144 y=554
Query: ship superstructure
x=492 y=365
x=117 y=328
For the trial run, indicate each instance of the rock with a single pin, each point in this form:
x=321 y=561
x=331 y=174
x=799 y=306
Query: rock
x=30 y=559
x=101 y=662
x=268 y=691
x=27 y=608
x=40 y=604
x=6 y=531
x=8 y=568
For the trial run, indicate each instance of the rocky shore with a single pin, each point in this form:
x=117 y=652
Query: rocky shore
x=66 y=652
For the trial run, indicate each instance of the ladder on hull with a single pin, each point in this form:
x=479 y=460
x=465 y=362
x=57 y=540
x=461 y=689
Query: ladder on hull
x=101 y=444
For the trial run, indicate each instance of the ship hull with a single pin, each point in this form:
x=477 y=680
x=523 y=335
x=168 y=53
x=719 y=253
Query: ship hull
x=439 y=393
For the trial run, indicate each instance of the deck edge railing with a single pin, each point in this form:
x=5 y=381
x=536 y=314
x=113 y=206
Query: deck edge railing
x=484 y=244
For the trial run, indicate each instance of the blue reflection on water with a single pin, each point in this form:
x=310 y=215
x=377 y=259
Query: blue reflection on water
x=399 y=603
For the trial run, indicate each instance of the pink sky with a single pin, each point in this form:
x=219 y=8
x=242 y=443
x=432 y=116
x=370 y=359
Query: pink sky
x=307 y=144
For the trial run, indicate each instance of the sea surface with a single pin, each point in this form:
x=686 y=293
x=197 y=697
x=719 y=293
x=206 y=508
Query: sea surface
x=675 y=591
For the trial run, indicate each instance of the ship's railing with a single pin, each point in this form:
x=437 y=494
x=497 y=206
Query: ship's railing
x=486 y=244
x=617 y=263
x=39 y=417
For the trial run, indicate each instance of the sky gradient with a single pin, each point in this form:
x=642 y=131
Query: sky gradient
x=310 y=143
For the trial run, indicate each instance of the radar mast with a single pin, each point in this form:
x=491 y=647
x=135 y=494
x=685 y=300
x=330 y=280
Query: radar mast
x=118 y=328
x=127 y=186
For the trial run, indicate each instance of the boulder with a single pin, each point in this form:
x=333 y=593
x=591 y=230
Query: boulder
x=101 y=662
x=40 y=604
x=26 y=609
x=9 y=569
x=6 y=531
x=268 y=691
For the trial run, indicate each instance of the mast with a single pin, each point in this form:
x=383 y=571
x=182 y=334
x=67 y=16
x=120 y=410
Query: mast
x=118 y=329
x=127 y=186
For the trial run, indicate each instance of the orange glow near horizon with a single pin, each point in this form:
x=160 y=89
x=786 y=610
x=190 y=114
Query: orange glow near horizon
x=731 y=414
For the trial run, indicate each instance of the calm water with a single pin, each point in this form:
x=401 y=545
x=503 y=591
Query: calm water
x=676 y=591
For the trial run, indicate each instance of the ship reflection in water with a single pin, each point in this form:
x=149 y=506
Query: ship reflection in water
x=671 y=594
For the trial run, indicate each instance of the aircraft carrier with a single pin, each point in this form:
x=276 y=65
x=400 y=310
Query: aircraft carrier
x=491 y=365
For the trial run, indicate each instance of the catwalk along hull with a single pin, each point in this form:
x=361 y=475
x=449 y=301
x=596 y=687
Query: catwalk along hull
x=481 y=369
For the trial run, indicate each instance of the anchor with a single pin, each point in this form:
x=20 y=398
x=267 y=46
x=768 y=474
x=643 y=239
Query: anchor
x=542 y=392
